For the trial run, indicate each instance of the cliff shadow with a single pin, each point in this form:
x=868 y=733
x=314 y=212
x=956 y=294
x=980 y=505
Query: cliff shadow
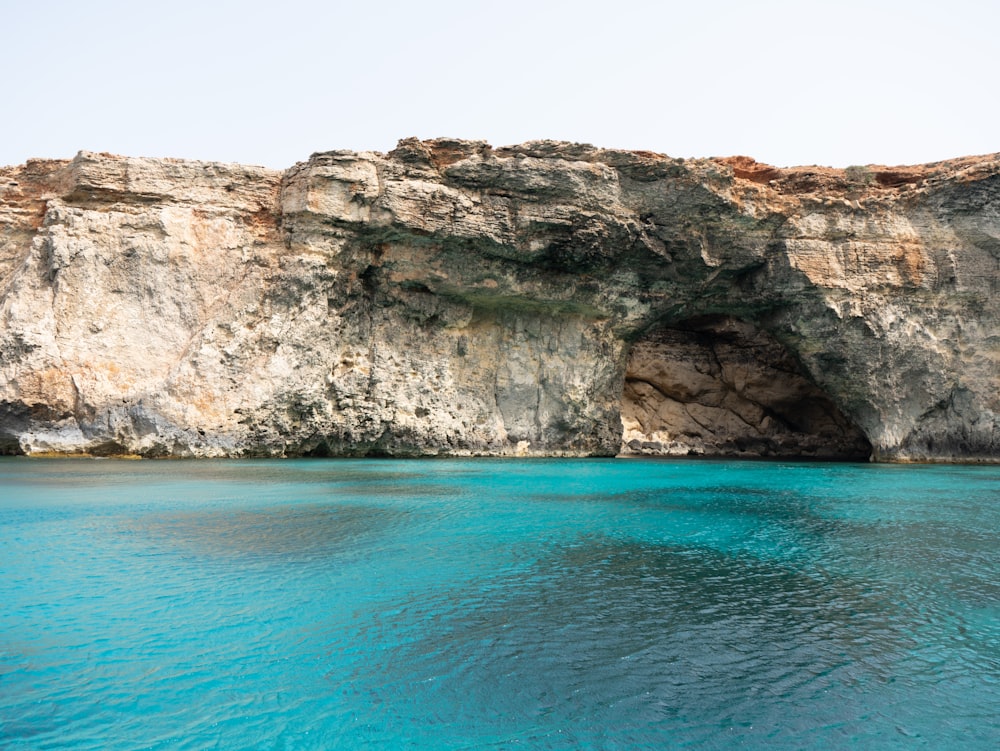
x=719 y=386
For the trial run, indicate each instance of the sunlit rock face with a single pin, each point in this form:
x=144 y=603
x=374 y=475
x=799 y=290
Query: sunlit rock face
x=542 y=299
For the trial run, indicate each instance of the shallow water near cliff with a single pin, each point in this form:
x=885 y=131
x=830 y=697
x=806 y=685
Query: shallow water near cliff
x=496 y=603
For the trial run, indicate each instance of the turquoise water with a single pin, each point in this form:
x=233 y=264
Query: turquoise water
x=599 y=604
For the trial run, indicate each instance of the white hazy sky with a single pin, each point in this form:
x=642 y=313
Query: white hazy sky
x=834 y=83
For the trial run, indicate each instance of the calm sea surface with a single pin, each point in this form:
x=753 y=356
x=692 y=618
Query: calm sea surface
x=564 y=604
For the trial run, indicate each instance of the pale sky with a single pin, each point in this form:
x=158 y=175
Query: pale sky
x=832 y=83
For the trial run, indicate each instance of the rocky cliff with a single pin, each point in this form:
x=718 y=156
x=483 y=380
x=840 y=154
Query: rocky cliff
x=542 y=299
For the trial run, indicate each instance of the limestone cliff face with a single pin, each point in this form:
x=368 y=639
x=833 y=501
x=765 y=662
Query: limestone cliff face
x=543 y=299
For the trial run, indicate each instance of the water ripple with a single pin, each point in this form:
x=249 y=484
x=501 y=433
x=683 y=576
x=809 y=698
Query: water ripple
x=552 y=605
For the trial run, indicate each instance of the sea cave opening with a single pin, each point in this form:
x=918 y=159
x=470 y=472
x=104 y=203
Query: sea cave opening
x=720 y=386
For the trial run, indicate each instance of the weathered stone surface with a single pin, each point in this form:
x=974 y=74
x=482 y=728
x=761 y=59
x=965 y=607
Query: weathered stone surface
x=721 y=387
x=448 y=297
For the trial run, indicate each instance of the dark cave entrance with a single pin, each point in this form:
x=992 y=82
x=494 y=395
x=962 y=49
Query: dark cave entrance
x=719 y=386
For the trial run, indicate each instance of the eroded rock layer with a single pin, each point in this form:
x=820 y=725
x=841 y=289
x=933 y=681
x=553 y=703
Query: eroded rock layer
x=453 y=298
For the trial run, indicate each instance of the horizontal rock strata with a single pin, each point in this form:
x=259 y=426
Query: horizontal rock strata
x=544 y=299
